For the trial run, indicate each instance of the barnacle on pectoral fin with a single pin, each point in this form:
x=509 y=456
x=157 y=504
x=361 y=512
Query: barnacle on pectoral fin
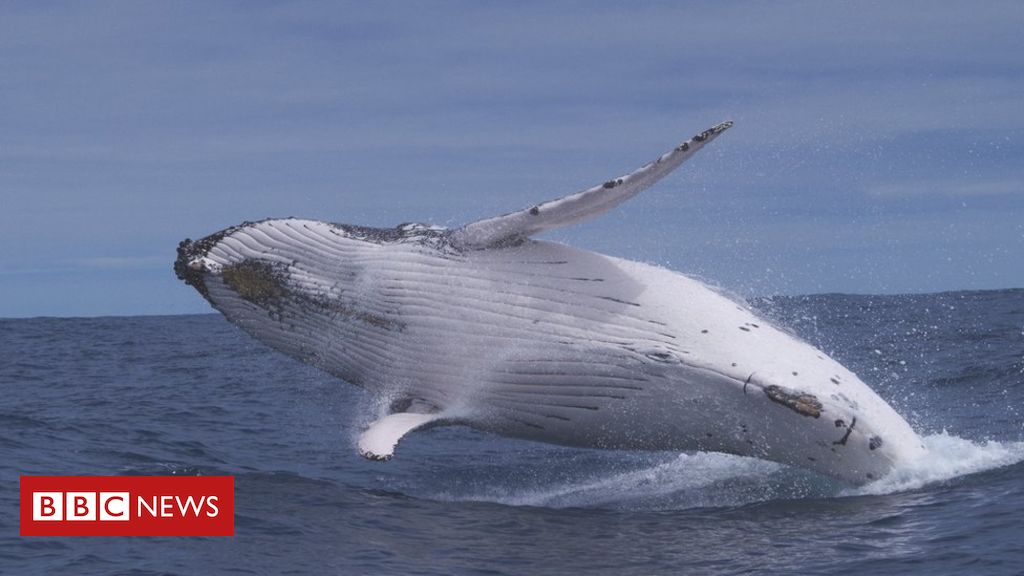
x=801 y=403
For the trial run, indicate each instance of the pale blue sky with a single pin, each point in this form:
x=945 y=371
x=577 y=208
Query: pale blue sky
x=878 y=147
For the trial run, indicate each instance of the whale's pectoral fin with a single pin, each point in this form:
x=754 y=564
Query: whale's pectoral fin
x=378 y=442
x=517 y=226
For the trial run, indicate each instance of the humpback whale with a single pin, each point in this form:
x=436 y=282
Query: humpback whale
x=487 y=327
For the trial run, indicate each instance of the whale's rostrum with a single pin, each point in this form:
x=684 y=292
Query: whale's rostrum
x=484 y=326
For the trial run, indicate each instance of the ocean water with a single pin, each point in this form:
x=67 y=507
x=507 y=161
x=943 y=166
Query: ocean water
x=194 y=395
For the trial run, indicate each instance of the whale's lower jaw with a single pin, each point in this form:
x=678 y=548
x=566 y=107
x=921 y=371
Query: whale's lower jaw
x=544 y=342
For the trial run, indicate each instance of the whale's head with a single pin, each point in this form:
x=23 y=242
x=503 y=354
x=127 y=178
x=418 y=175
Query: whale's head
x=264 y=264
x=239 y=274
x=192 y=265
x=292 y=265
x=283 y=281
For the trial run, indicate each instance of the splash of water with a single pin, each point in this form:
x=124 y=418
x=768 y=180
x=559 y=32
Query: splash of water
x=948 y=457
x=716 y=480
x=691 y=475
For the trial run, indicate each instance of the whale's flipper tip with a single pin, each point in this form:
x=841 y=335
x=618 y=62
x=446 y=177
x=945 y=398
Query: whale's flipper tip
x=378 y=442
x=376 y=457
x=715 y=130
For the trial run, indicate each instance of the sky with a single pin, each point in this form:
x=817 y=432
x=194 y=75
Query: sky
x=878 y=146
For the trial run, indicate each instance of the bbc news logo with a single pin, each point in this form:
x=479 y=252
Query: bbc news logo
x=127 y=506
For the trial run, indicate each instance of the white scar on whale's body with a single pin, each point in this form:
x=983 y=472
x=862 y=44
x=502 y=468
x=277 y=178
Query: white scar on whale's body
x=484 y=326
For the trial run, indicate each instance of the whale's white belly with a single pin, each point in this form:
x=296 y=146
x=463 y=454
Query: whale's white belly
x=552 y=343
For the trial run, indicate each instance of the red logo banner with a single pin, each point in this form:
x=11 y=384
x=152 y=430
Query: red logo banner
x=127 y=506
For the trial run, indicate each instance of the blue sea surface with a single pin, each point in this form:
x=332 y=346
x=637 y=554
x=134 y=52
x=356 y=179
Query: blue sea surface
x=193 y=395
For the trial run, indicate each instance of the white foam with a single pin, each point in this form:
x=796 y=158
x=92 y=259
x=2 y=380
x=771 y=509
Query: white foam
x=714 y=479
x=692 y=475
x=948 y=457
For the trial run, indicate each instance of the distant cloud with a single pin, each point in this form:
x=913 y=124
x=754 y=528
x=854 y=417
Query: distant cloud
x=96 y=263
x=120 y=262
x=946 y=188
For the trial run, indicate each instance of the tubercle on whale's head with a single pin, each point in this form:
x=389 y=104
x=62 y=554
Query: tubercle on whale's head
x=188 y=267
